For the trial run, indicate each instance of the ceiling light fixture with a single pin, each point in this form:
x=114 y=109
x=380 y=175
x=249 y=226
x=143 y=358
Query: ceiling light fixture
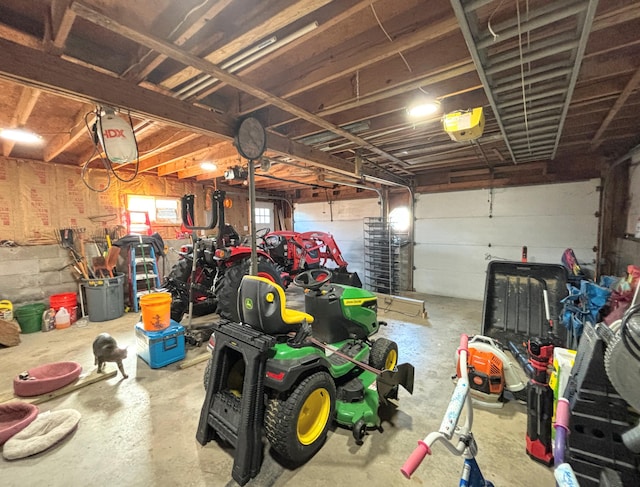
x=423 y=108
x=208 y=166
x=20 y=135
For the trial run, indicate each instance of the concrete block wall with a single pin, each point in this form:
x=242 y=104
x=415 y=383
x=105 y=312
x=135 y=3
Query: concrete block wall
x=30 y=274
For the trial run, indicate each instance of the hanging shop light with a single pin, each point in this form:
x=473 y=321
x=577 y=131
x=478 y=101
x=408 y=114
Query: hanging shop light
x=20 y=135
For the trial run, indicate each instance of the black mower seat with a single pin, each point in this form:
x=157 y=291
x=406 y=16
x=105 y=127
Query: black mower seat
x=262 y=305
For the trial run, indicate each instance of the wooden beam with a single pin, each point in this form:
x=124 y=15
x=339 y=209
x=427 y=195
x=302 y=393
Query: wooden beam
x=626 y=92
x=172 y=161
x=342 y=66
x=63 y=141
x=388 y=303
x=443 y=74
x=26 y=104
x=274 y=17
x=326 y=18
x=201 y=19
x=616 y=17
x=177 y=54
x=61 y=21
x=20 y=37
x=24 y=65
x=44 y=71
x=203 y=357
x=195 y=170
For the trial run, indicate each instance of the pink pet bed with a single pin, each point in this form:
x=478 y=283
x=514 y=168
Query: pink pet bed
x=46 y=378
x=14 y=417
x=47 y=430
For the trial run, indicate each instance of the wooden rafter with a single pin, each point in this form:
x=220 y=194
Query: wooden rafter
x=180 y=55
x=619 y=103
x=196 y=154
x=337 y=69
x=202 y=16
x=340 y=11
x=274 y=18
x=61 y=19
x=63 y=141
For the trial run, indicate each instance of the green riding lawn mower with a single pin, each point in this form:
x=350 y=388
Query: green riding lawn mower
x=291 y=373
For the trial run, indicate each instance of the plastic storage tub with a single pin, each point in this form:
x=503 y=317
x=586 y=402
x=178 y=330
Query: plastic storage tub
x=160 y=348
x=105 y=297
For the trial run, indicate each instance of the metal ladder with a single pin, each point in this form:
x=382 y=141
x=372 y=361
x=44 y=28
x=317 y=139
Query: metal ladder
x=144 y=271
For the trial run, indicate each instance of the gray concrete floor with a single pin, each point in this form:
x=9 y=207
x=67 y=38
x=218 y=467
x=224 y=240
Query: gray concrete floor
x=141 y=431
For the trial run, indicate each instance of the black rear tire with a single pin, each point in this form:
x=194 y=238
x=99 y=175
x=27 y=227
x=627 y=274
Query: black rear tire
x=227 y=287
x=297 y=426
x=177 y=284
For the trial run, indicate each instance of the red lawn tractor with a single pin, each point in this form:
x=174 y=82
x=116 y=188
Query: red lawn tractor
x=296 y=252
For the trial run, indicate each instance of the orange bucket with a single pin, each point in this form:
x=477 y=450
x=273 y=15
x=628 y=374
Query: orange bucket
x=156 y=311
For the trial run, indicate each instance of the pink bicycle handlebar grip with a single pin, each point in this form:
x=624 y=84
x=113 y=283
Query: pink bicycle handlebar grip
x=415 y=459
x=562 y=414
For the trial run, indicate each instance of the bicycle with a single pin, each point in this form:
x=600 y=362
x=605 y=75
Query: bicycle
x=466 y=445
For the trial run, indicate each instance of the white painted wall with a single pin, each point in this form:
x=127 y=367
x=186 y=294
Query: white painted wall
x=457 y=234
x=344 y=220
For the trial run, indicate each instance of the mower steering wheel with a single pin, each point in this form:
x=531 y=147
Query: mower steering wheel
x=312 y=279
x=262 y=232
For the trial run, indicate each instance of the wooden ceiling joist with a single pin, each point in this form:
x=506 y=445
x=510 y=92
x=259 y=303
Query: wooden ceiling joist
x=275 y=17
x=631 y=85
x=152 y=60
x=207 y=67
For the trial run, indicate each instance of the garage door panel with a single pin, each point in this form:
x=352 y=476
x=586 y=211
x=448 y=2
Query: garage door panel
x=451 y=205
x=455 y=258
x=444 y=283
x=541 y=231
x=345 y=221
x=457 y=231
x=572 y=200
x=338 y=210
x=547 y=219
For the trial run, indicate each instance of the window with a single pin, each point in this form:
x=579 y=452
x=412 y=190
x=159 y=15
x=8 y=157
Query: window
x=161 y=210
x=263 y=216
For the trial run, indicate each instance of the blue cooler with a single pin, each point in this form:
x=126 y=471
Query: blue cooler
x=160 y=348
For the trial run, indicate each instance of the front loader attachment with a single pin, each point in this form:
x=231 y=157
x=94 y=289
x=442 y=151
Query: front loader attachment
x=342 y=276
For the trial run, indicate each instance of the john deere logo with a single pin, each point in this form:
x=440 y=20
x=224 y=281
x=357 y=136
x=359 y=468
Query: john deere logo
x=248 y=303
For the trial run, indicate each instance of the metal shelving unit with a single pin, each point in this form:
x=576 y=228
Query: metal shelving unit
x=381 y=256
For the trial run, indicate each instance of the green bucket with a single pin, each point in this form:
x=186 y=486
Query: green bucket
x=29 y=317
